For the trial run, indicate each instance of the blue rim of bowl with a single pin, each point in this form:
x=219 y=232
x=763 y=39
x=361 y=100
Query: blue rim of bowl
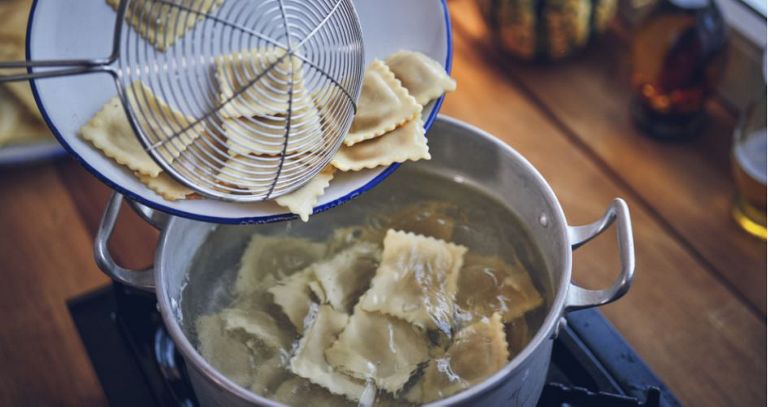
x=214 y=219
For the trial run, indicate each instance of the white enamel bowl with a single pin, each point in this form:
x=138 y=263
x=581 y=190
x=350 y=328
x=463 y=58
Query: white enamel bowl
x=83 y=29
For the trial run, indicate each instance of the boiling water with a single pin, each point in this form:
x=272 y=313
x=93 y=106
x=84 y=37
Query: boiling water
x=404 y=201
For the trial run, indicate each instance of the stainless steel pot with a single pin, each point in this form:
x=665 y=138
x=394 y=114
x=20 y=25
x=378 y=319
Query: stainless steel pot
x=458 y=150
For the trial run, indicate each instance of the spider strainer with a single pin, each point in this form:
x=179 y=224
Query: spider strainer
x=261 y=125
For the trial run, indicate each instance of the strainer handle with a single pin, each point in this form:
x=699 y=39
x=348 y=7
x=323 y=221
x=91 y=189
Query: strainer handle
x=66 y=67
x=141 y=279
x=578 y=297
x=69 y=67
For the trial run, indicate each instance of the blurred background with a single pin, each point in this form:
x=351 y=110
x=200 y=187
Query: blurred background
x=660 y=102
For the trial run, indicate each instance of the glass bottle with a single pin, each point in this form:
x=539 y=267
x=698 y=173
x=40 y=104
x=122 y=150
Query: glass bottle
x=678 y=54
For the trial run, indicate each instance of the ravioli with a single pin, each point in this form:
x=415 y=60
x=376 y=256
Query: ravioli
x=303 y=200
x=489 y=284
x=345 y=276
x=165 y=186
x=424 y=77
x=269 y=375
x=383 y=105
x=162 y=24
x=228 y=355
x=259 y=325
x=244 y=173
x=477 y=352
x=341 y=238
x=432 y=218
x=416 y=280
x=258 y=82
x=309 y=361
x=518 y=335
x=298 y=391
x=110 y=131
x=400 y=145
x=293 y=295
x=378 y=347
x=265 y=135
x=267 y=259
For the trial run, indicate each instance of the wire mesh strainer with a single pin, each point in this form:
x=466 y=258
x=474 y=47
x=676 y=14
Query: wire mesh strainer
x=260 y=94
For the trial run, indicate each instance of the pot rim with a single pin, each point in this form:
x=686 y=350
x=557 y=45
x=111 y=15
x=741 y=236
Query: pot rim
x=544 y=333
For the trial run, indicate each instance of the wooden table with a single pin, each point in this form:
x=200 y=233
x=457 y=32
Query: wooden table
x=696 y=312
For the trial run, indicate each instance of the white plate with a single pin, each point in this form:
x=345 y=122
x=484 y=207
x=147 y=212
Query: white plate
x=28 y=153
x=83 y=29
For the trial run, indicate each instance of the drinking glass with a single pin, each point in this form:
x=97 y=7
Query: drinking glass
x=749 y=169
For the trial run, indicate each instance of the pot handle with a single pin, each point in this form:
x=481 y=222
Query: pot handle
x=154 y=217
x=578 y=297
x=141 y=279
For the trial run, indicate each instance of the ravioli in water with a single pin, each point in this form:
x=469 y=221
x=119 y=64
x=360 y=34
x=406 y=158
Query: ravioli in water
x=226 y=353
x=489 y=284
x=433 y=219
x=416 y=280
x=378 y=347
x=477 y=352
x=309 y=361
x=293 y=295
x=346 y=275
x=267 y=259
x=375 y=317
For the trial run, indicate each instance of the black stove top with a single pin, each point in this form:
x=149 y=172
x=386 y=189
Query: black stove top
x=137 y=363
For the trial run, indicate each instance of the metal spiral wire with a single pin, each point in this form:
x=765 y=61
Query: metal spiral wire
x=294 y=68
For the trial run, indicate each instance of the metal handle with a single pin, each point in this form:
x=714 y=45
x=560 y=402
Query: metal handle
x=141 y=279
x=578 y=297
x=68 y=67
x=153 y=217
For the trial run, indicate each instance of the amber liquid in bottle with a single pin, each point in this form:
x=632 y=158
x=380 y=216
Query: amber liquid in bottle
x=677 y=58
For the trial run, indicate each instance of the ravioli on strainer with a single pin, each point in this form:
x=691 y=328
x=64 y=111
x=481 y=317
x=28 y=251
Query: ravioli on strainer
x=258 y=82
x=110 y=131
x=303 y=200
x=163 y=24
x=424 y=77
x=384 y=104
x=165 y=186
x=266 y=135
x=400 y=145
